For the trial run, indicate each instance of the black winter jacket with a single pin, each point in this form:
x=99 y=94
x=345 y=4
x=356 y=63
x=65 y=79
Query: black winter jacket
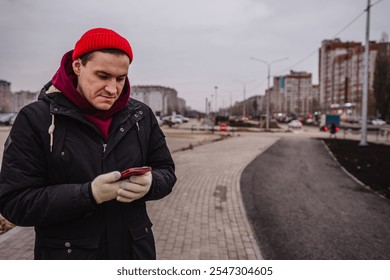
x=45 y=179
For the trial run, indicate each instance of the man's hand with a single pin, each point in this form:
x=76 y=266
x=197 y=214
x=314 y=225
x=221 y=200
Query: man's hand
x=105 y=186
x=134 y=188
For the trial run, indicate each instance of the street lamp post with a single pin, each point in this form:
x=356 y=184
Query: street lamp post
x=363 y=138
x=268 y=86
x=216 y=103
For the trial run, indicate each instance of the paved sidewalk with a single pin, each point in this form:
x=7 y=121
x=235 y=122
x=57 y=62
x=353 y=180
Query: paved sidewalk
x=203 y=218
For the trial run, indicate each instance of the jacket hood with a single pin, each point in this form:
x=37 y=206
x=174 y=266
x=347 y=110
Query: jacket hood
x=66 y=82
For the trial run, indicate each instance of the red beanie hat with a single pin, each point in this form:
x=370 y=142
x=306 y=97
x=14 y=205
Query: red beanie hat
x=99 y=39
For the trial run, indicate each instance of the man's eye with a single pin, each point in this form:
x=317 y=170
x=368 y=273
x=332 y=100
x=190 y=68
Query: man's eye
x=121 y=79
x=103 y=77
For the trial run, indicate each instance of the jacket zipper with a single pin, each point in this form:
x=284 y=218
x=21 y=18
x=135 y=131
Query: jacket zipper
x=103 y=153
x=140 y=141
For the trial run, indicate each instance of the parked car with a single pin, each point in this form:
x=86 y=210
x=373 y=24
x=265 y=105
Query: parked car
x=295 y=124
x=183 y=119
x=159 y=120
x=310 y=121
x=12 y=120
x=378 y=122
x=5 y=118
x=173 y=119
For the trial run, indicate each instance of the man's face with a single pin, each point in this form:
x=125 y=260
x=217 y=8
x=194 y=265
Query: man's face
x=102 y=78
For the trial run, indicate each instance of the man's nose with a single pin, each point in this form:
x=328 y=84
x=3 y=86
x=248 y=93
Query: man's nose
x=111 y=87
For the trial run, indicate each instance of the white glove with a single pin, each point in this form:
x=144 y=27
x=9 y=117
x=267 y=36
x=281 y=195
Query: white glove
x=105 y=186
x=134 y=188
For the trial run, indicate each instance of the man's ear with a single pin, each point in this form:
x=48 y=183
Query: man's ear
x=76 y=66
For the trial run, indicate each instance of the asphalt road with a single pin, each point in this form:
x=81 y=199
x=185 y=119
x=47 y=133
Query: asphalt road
x=303 y=206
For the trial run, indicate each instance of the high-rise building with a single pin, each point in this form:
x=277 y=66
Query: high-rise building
x=22 y=98
x=341 y=69
x=294 y=94
x=162 y=100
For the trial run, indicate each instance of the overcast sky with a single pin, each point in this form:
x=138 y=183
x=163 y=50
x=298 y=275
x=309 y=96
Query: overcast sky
x=189 y=45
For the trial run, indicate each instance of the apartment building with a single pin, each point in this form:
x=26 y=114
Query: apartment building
x=294 y=94
x=341 y=69
x=162 y=100
x=6 y=105
x=22 y=98
x=13 y=102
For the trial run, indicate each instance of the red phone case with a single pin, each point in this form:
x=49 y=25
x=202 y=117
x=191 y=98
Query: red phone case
x=135 y=171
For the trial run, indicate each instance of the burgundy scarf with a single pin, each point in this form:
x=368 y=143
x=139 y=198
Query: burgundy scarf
x=65 y=80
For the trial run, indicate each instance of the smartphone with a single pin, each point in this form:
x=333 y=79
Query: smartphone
x=135 y=171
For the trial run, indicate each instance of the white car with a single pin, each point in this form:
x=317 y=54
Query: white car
x=296 y=124
x=183 y=119
x=159 y=120
x=5 y=118
x=174 y=119
x=378 y=122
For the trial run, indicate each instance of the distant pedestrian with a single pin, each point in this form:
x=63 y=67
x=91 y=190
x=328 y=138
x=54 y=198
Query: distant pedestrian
x=61 y=163
x=332 y=130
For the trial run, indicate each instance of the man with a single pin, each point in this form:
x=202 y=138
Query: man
x=61 y=162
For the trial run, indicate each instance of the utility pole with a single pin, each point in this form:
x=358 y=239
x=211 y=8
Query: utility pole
x=363 y=139
x=216 y=101
x=207 y=107
x=268 y=92
x=244 y=93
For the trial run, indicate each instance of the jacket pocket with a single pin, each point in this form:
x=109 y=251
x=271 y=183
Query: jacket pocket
x=142 y=243
x=70 y=249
